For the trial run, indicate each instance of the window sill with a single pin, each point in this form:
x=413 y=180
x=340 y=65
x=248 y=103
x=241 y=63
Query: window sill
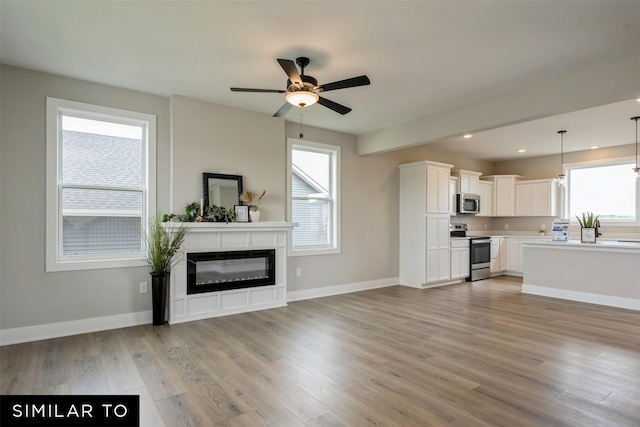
x=312 y=252
x=75 y=265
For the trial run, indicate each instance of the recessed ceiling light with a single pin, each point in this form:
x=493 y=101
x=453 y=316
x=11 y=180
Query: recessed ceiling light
x=521 y=150
x=468 y=135
x=593 y=147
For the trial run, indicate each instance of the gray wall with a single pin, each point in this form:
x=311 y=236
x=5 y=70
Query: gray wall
x=369 y=218
x=28 y=295
x=206 y=138
x=203 y=137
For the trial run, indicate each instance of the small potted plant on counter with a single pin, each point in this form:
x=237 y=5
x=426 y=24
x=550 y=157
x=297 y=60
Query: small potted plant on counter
x=588 y=224
x=162 y=246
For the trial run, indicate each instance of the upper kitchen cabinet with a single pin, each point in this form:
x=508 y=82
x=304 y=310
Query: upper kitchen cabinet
x=452 y=194
x=426 y=187
x=467 y=181
x=485 y=190
x=504 y=194
x=536 y=198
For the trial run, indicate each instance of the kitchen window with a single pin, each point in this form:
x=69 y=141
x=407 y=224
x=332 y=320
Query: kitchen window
x=100 y=185
x=313 y=188
x=606 y=188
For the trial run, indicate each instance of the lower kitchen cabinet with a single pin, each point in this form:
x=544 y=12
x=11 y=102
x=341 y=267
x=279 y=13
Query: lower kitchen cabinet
x=498 y=255
x=513 y=255
x=460 y=259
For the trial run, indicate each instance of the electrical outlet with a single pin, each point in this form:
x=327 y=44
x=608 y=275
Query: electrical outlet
x=543 y=226
x=485 y=226
x=298 y=272
x=506 y=226
x=143 y=287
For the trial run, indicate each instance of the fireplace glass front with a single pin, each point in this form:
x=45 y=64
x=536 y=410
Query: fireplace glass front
x=220 y=271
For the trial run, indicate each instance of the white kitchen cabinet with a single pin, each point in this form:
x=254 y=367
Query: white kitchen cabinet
x=467 y=181
x=438 y=255
x=424 y=223
x=503 y=254
x=460 y=259
x=513 y=255
x=503 y=194
x=437 y=189
x=452 y=195
x=495 y=255
x=485 y=190
x=536 y=198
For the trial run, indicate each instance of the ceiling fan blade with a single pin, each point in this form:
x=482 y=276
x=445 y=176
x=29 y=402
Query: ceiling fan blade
x=283 y=110
x=289 y=67
x=243 y=89
x=338 y=108
x=346 y=83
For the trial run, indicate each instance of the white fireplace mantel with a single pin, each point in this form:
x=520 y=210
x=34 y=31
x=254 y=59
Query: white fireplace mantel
x=217 y=237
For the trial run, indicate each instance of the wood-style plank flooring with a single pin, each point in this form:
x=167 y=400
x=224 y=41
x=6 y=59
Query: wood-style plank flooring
x=470 y=354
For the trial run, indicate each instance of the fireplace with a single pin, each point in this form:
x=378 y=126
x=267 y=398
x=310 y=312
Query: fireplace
x=221 y=271
x=205 y=245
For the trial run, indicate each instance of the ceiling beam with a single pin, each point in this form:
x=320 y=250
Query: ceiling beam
x=613 y=81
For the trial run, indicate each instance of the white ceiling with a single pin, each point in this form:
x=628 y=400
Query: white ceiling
x=422 y=57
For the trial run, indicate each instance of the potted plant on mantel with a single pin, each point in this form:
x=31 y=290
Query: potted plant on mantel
x=162 y=246
x=248 y=197
x=588 y=224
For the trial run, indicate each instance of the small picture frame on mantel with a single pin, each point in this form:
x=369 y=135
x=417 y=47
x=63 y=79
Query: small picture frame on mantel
x=242 y=213
x=588 y=235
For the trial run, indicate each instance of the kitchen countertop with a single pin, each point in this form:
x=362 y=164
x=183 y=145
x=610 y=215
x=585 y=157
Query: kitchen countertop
x=600 y=245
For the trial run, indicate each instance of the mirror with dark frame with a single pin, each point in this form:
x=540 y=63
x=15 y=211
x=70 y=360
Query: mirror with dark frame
x=221 y=190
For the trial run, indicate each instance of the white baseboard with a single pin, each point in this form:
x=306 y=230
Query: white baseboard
x=610 y=301
x=74 y=327
x=341 y=289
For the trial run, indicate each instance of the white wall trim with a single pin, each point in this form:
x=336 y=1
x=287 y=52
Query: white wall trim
x=610 y=301
x=74 y=327
x=341 y=289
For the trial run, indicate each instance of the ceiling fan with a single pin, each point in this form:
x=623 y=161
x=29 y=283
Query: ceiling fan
x=302 y=90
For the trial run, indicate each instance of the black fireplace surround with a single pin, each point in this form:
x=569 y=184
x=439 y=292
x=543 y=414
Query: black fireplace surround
x=221 y=271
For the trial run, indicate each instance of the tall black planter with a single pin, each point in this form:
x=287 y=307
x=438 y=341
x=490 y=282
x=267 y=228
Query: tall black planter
x=159 y=283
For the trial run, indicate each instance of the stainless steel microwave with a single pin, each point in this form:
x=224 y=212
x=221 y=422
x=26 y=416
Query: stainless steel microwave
x=467 y=203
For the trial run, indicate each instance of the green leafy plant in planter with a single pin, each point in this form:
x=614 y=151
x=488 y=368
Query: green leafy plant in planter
x=162 y=246
x=588 y=226
x=588 y=220
x=219 y=214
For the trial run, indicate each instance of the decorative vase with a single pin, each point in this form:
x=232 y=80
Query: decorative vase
x=159 y=284
x=254 y=216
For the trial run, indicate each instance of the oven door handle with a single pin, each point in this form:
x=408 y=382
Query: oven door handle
x=479 y=241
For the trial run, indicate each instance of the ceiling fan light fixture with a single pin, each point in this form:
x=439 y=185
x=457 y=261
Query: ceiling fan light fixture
x=302 y=98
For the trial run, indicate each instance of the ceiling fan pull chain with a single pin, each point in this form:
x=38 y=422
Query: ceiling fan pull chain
x=301 y=125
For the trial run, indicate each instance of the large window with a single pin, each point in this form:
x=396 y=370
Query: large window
x=314 y=173
x=608 y=189
x=100 y=185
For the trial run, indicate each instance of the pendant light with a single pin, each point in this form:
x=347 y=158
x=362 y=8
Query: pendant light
x=561 y=176
x=636 y=169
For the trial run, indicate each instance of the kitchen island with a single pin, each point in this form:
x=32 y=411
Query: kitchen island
x=605 y=273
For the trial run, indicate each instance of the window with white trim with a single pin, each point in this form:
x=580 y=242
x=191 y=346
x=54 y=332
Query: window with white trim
x=606 y=188
x=100 y=185
x=314 y=199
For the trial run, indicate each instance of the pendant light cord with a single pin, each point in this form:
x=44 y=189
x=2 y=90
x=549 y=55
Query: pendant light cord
x=636 y=119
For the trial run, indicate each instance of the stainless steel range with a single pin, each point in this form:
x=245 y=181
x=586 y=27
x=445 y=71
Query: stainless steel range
x=479 y=258
x=479 y=253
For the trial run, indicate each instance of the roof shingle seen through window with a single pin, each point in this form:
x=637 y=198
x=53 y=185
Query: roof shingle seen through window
x=101 y=160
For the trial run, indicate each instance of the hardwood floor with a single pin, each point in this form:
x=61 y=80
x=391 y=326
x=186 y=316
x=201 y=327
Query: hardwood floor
x=479 y=354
